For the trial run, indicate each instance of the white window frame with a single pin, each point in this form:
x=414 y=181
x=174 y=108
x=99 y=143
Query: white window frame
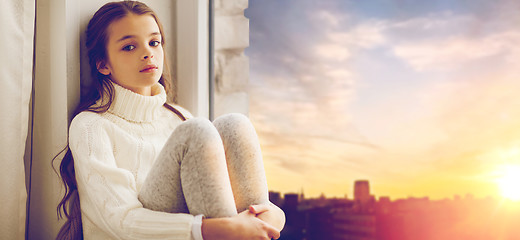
x=192 y=58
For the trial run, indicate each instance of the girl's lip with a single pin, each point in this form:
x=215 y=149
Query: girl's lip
x=149 y=68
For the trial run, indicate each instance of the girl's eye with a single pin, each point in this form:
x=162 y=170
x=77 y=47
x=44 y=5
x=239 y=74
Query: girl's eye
x=128 y=48
x=155 y=43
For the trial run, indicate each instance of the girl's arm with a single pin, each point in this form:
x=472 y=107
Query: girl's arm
x=245 y=225
x=108 y=194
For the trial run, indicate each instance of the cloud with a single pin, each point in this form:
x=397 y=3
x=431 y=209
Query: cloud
x=448 y=41
x=459 y=106
x=294 y=162
x=309 y=84
x=456 y=51
x=327 y=18
x=313 y=79
x=480 y=113
x=452 y=128
x=332 y=51
x=365 y=35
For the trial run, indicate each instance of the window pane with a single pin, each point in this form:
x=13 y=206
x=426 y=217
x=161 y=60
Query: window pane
x=418 y=98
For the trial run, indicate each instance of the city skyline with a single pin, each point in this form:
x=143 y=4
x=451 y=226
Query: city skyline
x=368 y=218
x=418 y=97
x=350 y=195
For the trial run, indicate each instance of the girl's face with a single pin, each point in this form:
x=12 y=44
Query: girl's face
x=134 y=53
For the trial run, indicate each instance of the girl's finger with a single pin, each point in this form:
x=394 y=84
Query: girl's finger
x=272 y=232
x=257 y=209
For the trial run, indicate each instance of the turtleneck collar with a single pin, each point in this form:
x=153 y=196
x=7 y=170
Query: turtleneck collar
x=135 y=107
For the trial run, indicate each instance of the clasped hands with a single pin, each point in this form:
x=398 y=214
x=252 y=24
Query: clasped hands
x=263 y=221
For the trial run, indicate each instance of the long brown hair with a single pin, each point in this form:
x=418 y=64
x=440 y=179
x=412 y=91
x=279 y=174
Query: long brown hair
x=96 y=41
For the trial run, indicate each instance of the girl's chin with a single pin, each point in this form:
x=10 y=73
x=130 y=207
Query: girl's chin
x=148 y=82
x=143 y=87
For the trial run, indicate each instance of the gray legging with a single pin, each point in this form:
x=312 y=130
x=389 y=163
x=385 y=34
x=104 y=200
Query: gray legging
x=214 y=169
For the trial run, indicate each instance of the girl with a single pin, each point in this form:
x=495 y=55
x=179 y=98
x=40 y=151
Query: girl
x=137 y=168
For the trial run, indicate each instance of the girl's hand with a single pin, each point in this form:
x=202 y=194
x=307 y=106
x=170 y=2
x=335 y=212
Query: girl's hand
x=269 y=213
x=245 y=225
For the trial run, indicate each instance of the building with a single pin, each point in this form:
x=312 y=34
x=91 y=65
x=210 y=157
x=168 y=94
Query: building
x=275 y=198
x=361 y=191
x=349 y=225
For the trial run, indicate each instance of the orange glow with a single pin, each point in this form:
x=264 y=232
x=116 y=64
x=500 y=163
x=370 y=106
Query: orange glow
x=509 y=182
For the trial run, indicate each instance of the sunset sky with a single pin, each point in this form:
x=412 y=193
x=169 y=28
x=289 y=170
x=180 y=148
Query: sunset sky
x=421 y=98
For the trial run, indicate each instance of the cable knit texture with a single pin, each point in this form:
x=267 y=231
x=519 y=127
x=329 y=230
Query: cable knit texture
x=113 y=152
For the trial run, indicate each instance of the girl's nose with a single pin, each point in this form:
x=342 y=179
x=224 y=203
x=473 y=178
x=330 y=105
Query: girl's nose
x=147 y=54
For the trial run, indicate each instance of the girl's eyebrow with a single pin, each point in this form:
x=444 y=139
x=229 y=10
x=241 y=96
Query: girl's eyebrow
x=133 y=36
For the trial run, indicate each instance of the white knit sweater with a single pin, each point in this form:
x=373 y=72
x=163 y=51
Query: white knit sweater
x=113 y=153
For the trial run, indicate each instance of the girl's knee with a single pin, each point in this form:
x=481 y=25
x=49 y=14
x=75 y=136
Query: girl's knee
x=237 y=132
x=196 y=125
x=232 y=117
x=233 y=121
x=197 y=130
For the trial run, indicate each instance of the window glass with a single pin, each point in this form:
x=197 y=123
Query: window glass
x=419 y=98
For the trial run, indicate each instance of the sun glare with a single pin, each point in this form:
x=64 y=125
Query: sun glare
x=509 y=182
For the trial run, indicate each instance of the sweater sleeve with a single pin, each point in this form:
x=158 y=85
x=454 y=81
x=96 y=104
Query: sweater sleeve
x=108 y=194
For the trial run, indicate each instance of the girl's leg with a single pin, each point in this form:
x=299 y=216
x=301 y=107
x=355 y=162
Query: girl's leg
x=244 y=160
x=190 y=174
